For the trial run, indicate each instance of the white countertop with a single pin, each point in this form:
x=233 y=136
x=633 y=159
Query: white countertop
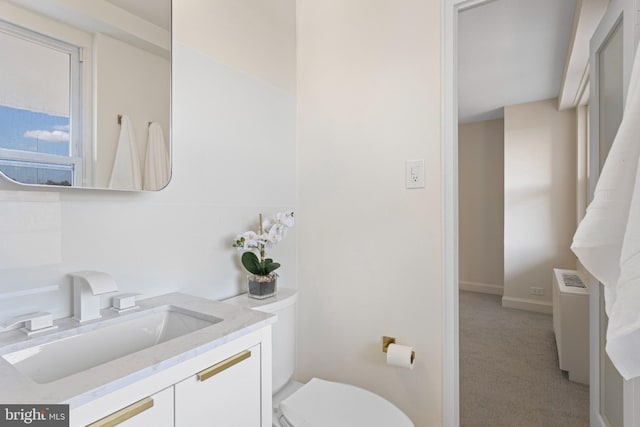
x=284 y=297
x=80 y=388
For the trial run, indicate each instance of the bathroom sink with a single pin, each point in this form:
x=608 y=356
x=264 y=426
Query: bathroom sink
x=78 y=363
x=101 y=343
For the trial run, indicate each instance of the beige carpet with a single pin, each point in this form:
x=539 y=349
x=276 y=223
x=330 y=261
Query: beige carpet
x=509 y=375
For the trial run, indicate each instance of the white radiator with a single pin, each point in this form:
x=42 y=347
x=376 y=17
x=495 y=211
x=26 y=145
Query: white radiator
x=571 y=323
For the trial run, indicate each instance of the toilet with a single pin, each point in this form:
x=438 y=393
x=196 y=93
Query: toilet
x=318 y=403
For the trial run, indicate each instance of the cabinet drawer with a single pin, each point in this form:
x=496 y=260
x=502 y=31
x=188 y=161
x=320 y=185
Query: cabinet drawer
x=155 y=410
x=227 y=394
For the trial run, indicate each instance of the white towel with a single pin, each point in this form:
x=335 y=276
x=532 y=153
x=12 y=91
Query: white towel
x=156 y=169
x=607 y=241
x=125 y=174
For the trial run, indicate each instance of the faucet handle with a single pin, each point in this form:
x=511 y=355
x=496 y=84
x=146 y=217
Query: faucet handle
x=124 y=301
x=33 y=322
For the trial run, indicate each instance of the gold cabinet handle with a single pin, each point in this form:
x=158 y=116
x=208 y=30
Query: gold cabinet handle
x=124 y=414
x=225 y=364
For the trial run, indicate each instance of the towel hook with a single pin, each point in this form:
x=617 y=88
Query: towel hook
x=119 y=119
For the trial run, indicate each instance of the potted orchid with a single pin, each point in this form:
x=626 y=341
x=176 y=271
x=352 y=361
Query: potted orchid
x=262 y=280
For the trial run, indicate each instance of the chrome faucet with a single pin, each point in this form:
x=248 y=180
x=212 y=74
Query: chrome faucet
x=87 y=288
x=33 y=322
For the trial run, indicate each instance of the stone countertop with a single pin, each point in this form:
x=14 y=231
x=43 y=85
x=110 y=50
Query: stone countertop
x=82 y=387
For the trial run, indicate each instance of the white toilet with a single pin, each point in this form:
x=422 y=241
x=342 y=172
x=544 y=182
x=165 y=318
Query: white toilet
x=318 y=403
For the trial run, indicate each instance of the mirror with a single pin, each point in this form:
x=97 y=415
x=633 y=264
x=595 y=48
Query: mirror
x=85 y=98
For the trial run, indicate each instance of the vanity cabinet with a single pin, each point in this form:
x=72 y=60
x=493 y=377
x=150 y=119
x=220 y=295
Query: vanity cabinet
x=226 y=394
x=228 y=386
x=155 y=410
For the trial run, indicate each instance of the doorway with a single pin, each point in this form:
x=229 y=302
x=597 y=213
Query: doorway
x=451 y=248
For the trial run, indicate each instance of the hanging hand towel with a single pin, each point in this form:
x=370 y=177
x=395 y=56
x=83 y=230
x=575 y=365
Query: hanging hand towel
x=125 y=174
x=607 y=241
x=156 y=168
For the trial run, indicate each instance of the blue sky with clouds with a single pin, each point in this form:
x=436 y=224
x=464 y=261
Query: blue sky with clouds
x=29 y=131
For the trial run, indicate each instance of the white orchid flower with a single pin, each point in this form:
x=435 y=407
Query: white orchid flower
x=275 y=233
x=273 y=230
x=286 y=218
x=251 y=240
x=267 y=240
x=278 y=225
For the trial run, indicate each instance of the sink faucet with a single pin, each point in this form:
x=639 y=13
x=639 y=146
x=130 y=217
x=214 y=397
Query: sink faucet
x=87 y=288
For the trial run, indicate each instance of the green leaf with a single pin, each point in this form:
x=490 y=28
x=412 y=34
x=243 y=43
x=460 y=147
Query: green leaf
x=271 y=267
x=251 y=262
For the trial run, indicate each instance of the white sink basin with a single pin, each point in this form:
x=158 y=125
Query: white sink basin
x=66 y=356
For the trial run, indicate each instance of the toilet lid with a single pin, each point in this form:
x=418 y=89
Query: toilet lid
x=321 y=403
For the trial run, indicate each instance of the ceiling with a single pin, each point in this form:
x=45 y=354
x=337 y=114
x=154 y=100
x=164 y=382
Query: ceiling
x=157 y=12
x=510 y=52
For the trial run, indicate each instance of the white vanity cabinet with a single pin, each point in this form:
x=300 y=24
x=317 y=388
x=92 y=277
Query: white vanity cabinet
x=228 y=385
x=155 y=410
x=226 y=394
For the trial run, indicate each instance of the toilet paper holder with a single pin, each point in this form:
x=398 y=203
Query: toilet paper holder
x=391 y=340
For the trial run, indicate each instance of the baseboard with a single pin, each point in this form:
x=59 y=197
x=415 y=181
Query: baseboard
x=482 y=288
x=598 y=421
x=528 y=304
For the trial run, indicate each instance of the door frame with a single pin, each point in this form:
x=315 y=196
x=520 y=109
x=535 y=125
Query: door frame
x=617 y=11
x=602 y=34
x=449 y=162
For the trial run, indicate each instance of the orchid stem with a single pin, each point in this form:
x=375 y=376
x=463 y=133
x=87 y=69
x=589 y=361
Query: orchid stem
x=261 y=244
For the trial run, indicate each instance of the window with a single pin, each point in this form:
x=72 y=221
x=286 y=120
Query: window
x=40 y=120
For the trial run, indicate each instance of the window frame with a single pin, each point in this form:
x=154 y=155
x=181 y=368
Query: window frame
x=76 y=119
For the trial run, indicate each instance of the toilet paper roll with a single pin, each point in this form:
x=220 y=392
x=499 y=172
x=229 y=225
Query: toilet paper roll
x=400 y=355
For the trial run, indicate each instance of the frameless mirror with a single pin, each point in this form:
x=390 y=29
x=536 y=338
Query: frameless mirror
x=85 y=93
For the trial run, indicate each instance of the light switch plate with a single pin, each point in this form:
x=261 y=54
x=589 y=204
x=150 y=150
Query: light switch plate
x=415 y=173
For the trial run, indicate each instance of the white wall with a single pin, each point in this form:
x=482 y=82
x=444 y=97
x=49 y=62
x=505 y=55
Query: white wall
x=262 y=43
x=233 y=157
x=369 y=249
x=481 y=205
x=540 y=200
x=142 y=92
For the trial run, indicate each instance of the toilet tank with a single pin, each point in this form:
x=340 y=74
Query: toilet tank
x=283 y=332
